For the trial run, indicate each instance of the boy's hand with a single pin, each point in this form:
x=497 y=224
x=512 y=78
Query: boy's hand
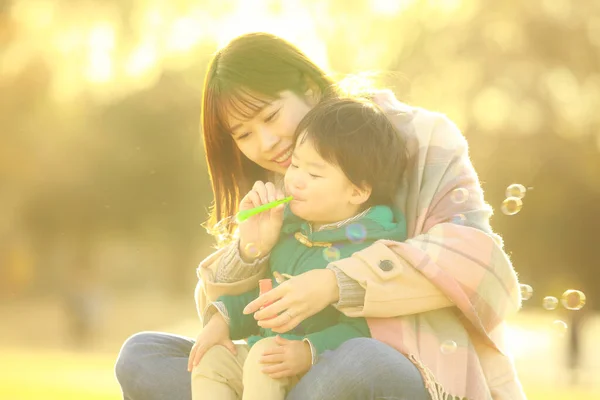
x=291 y=358
x=259 y=233
x=215 y=332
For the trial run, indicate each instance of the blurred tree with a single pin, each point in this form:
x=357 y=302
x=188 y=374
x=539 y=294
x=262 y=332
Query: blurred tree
x=125 y=158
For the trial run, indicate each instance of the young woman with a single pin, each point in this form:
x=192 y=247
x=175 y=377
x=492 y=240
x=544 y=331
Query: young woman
x=435 y=304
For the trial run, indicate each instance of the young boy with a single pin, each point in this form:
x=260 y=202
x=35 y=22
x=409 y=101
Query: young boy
x=344 y=172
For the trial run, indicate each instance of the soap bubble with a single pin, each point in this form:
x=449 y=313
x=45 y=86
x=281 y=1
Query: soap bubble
x=560 y=327
x=331 y=254
x=511 y=205
x=448 y=347
x=516 y=190
x=459 y=219
x=356 y=233
x=550 y=303
x=459 y=195
x=526 y=292
x=573 y=299
x=252 y=250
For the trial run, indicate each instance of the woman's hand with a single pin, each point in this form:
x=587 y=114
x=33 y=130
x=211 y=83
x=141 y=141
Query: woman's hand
x=295 y=300
x=259 y=233
x=215 y=332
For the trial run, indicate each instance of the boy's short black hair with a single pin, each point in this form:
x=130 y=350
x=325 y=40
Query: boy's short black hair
x=356 y=135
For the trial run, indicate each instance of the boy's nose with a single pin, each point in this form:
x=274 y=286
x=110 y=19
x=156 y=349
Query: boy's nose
x=298 y=183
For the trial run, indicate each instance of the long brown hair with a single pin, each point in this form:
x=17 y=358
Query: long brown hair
x=242 y=76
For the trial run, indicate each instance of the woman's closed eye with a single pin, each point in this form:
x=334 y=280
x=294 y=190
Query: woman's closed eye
x=272 y=116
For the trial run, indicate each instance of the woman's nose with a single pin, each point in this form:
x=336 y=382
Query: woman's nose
x=268 y=139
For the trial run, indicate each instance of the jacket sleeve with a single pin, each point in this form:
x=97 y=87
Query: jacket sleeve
x=208 y=289
x=448 y=261
x=332 y=337
x=240 y=325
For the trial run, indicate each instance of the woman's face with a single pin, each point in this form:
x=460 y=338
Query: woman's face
x=267 y=138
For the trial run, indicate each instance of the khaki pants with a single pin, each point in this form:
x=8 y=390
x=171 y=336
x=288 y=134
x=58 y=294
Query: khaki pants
x=220 y=375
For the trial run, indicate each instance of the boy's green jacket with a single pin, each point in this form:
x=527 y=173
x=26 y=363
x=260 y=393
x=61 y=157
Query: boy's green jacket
x=329 y=328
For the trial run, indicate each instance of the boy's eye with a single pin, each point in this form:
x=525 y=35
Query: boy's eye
x=314 y=176
x=243 y=136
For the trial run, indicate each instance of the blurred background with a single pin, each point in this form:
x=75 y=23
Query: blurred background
x=104 y=187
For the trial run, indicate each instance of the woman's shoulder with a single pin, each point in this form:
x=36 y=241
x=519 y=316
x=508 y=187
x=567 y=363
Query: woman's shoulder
x=425 y=126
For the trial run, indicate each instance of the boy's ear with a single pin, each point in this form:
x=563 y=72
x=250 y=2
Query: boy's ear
x=361 y=194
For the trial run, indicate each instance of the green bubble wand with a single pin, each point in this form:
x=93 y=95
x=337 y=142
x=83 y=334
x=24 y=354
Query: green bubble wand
x=245 y=214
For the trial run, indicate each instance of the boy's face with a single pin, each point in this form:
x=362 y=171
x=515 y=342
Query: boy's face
x=322 y=192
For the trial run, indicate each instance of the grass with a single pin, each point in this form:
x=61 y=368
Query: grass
x=57 y=375
x=28 y=375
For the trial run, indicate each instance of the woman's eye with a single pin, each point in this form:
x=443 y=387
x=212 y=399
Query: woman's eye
x=271 y=117
x=314 y=176
x=243 y=136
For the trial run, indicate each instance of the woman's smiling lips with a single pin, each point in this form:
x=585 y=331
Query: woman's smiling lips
x=284 y=158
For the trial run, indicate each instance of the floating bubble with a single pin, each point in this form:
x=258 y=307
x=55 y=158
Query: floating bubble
x=331 y=254
x=356 y=233
x=550 y=303
x=516 y=190
x=560 y=327
x=573 y=299
x=459 y=219
x=526 y=292
x=459 y=195
x=252 y=250
x=511 y=205
x=448 y=347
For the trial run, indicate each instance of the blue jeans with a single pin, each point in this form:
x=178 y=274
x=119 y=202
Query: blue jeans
x=153 y=366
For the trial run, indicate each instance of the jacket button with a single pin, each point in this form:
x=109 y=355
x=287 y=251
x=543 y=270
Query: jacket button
x=386 y=265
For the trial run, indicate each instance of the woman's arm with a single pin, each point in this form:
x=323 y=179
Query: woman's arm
x=233 y=268
x=214 y=272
